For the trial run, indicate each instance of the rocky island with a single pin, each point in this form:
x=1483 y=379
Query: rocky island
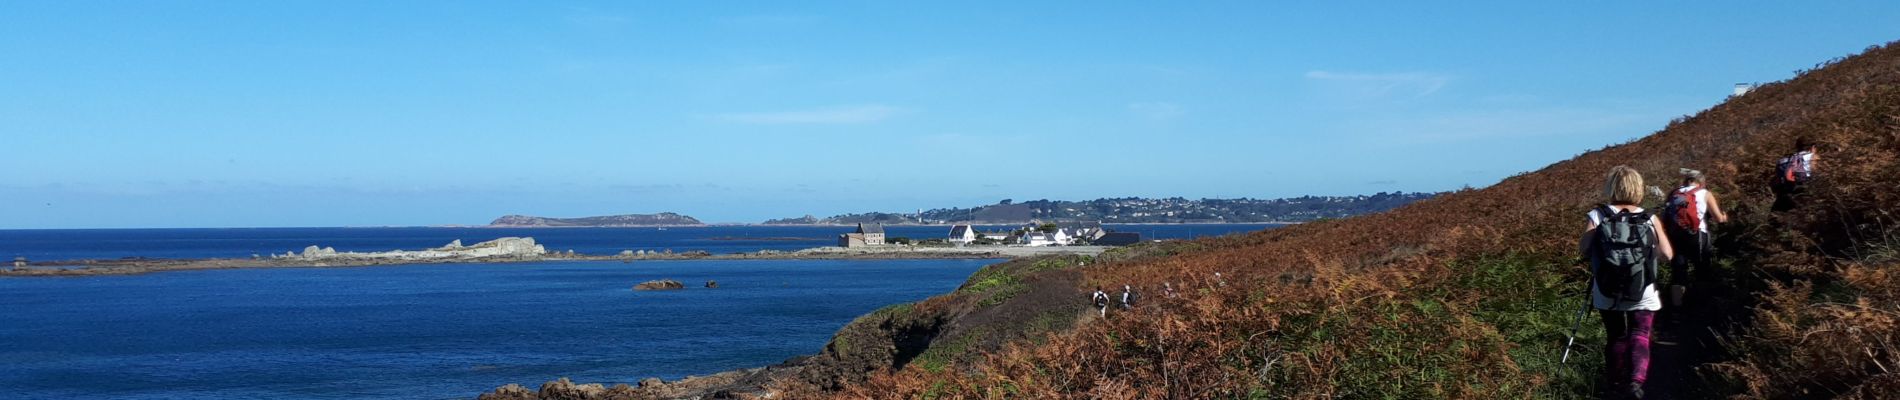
x=508 y=247
x=625 y=220
x=661 y=284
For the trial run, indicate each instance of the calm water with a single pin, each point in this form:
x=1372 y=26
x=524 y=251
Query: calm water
x=429 y=331
x=73 y=244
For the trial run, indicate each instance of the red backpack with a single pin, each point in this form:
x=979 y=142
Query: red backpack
x=1682 y=209
x=1794 y=169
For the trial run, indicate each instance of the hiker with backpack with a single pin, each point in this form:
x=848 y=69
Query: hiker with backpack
x=1128 y=297
x=1624 y=245
x=1101 y=300
x=1687 y=216
x=1792 y=173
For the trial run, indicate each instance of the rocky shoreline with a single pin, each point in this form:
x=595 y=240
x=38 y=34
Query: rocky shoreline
x=508 y=250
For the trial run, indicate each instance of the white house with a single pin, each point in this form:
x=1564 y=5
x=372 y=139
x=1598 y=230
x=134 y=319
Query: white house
x=1037 y=239
x=1084 y=231
x=962 y=235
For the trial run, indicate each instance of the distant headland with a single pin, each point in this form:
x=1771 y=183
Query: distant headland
x=625 y=220
x=1134 y=210
x=1125 y=210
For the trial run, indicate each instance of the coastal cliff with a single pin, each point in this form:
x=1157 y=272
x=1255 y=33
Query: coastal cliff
x=625 y=220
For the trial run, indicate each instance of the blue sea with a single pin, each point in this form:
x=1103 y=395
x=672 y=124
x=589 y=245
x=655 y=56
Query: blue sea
x=439 y=330
x=429 y=331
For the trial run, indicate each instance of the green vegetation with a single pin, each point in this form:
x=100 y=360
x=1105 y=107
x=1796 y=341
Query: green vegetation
x=1533 y=303
x=999 y=282
x=943 y=352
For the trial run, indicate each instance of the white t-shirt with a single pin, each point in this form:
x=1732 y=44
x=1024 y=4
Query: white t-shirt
x=1701 y=206
x=1652 y=300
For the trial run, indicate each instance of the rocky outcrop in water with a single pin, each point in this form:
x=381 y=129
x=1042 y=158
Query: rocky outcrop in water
x=565 y=389
x=737 y=384
x=662 y=284
x=508 y=247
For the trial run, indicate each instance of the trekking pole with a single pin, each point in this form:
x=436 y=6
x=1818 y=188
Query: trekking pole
x=1575 y=325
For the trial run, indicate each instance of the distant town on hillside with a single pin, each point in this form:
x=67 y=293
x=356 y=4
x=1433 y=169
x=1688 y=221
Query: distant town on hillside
x=1133 y=210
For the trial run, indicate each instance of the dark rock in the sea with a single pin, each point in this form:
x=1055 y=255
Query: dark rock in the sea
x=509 y=392
x=712 y=284
x=562 y=390
x=662 y=284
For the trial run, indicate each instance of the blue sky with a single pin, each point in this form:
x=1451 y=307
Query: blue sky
x=321 y=113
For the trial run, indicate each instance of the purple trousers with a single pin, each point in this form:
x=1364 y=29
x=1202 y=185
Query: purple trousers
x=1627 y=353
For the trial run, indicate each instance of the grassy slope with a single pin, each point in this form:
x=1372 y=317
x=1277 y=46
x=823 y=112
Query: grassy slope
x=1469 y=294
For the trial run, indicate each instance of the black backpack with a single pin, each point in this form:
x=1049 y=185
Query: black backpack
x=1625 y=260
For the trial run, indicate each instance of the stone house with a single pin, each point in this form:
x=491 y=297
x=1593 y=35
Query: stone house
x=866 y=235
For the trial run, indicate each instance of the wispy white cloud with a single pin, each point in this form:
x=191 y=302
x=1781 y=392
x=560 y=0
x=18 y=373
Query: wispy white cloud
x=858 y=114
x=1156 y=111
x=1382 y=85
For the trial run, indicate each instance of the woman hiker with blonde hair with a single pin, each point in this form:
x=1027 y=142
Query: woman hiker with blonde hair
x=1624 y=245
x=1688 y=214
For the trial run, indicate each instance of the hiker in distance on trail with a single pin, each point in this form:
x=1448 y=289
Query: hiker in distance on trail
x=1101 y=300
x=1128 y=297
x=1624 y=245
x=1792 y=173
x=1686 y=216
